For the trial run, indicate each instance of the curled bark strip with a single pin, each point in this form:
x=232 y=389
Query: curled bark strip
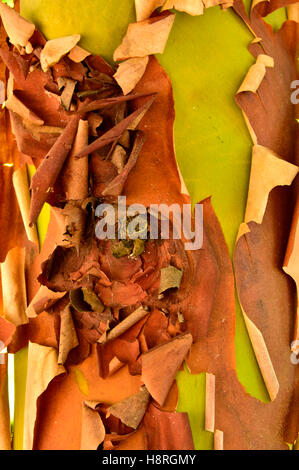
x=17 y=66
x=46 y=174
x=43 y=299
x=68 y=92
x=75 y=173
x=16 y=105
x=256 y=74
x=126 y=323
x=263 y=358
x=115 y=133
x=145 y=37
x=42 y=368
x=130 y=72
x=97 y=105
x=115 y=187
x=68 y=339
x=55 y=49
x=268 y=170
x=290 y=266
x=218 y=440
x=210 y=403
x=132 y=409
x=14 y=287
x=18 y=29
x=192 y=7
x=93 y=430
x=21 y=185
x=144 y=8
x=78 y=54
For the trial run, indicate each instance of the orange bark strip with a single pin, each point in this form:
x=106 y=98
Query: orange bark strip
x=166 y=430
x=147 y=183
x=7 y=331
